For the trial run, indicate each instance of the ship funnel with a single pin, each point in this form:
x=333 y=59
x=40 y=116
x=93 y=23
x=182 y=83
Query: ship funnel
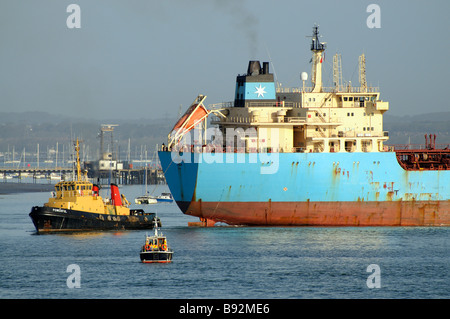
x=95 y=190
x=265 y=67
x=115 y=195
x=254 y=68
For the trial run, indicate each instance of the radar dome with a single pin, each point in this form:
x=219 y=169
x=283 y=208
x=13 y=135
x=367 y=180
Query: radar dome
x=304 y=76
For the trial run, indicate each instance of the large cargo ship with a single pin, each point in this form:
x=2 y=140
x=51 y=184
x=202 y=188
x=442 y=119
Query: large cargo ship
x=303 y=156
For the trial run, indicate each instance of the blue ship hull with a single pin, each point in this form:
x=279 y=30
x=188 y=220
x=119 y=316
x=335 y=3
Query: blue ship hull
x=336 y=189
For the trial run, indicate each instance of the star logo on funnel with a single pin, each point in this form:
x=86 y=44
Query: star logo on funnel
x=260 y=91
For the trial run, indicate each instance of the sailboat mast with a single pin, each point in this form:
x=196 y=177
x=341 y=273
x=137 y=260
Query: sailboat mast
x=77 y=149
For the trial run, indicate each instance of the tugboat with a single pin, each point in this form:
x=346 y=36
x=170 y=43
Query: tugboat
x=77 y=206
x=155 y=249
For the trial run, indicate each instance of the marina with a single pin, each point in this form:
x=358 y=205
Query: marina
x=106 y=169
x=16 y=179
x=125 y=176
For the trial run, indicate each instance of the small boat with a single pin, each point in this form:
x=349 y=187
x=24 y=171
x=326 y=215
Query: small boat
x=165 y=197
x=145 y=199
x=155 y=249
x=55 y=176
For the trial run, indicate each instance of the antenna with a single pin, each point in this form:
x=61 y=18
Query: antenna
x=362 y=73
x=317 y=48
x=316 y=45
x=273 y=66
x=337 y=71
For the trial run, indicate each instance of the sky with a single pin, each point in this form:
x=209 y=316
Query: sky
x=136 y=59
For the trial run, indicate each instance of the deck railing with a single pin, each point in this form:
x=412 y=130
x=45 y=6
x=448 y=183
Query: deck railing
x=328 y=89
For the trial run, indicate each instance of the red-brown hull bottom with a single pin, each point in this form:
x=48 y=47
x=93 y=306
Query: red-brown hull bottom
x=413 y=213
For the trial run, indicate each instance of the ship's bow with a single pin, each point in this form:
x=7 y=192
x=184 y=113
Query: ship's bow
x=180 y=170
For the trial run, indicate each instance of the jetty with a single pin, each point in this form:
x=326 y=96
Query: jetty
x=124 y=176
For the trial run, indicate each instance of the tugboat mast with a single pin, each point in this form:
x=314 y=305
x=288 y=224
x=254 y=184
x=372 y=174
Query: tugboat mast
x=77 y=149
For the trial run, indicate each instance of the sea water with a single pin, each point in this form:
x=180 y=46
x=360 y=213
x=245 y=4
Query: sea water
x=219 y=262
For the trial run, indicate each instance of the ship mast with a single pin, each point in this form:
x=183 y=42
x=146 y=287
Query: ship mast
x=77 y=150
x=362 y=73
x=317 y=48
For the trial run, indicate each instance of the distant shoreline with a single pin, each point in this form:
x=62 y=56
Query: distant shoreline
x=13 y=188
